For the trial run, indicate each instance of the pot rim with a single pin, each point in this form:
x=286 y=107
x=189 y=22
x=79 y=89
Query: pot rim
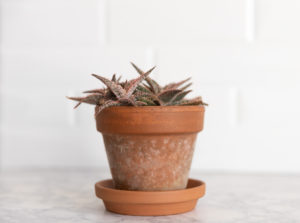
x=172 y=108
x=150 y=119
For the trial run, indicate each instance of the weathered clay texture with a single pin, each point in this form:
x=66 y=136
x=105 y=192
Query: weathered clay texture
x=150 y=148
x=150 y=162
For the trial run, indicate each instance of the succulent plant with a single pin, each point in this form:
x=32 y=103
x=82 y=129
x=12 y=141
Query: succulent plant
x=136 y=93
x=170 y=94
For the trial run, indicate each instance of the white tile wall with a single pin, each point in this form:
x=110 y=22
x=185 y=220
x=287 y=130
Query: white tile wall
x=175 y=21
x=278 y=21
x=243 y=56
x=34 y=23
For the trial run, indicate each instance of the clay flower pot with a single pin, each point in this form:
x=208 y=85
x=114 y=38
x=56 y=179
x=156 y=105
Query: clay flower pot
x=150 y=148
x=150 y=203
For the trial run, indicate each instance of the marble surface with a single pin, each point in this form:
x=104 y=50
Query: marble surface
x=63 y=196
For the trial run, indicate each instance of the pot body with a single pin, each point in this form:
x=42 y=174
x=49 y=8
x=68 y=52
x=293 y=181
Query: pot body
x=150 y=148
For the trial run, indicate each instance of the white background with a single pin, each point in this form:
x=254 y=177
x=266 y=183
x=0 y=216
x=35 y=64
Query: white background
x=243 y=56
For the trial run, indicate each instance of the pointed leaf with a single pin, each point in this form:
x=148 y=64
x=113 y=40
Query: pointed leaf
x=146 y=100
x=75 y=98
x=142 y=88
x=115 y=88
x=179 y=96
x=113 y=78
x=141 y=103
x=127 y=101
x=152 y=83
x=76 y=106
x=94 y=99
x=128 y=84
x=119 y=78
x=147 y=87
x=143 y=94
x=137 y=69
x=167 y=95
x=134 y=83
x=186 y=86
x=140 y=96
x=107 y=104
x=97 y=91
x=175 y=85
x=125 y=85
x=194 y=101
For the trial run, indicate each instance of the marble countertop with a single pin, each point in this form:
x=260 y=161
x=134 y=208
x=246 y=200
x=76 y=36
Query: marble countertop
x=63 y=196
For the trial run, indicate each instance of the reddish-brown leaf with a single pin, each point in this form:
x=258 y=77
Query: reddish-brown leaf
x=113 y=78
x=152 y=83
x=114 y=87
x=186 y=86
x=175 y=85
x=94 y=99
x=135 y=82
x=194 y=101
x=119 y=78
x=96 y=91
x=107 y=104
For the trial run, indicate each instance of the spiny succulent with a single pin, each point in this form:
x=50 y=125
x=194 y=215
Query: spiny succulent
x=170 y=94
x=137 y=93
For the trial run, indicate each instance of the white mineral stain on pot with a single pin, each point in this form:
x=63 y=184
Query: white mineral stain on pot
x=166 y=140
x=153 y=141
x=156 y=163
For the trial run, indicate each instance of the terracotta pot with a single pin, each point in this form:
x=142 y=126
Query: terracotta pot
x=150 y=148
x=150 y=203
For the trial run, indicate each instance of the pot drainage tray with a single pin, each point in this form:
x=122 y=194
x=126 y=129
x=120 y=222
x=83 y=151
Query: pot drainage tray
x=150 y=203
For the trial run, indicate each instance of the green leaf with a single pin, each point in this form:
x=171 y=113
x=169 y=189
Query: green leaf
x=142 y=88
x=141 y=103
x=167 y=95
x=148 y=101
x=179 y=96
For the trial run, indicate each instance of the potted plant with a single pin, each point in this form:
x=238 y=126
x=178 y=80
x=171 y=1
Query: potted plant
x=149 y=131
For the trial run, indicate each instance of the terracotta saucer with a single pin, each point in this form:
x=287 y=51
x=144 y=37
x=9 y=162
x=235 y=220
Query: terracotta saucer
x=150 y=203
